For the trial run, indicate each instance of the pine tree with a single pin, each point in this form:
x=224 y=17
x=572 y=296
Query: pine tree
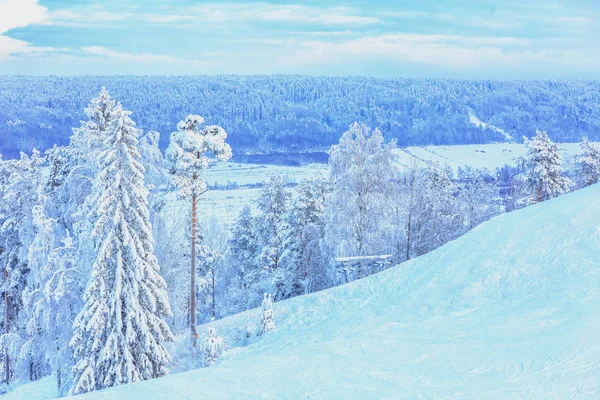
x=543 y=168
x=268 y=316
x=186 y=159
x=119 y=333
x=302 y=260
x=588 y=162
x=89 y=140
x=273 y=206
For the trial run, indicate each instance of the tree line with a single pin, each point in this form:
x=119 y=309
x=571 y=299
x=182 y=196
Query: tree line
x=301 y=113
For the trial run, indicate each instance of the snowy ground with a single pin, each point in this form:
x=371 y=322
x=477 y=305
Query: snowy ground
x=490 y=156
x=226 y=204
x=510 y=310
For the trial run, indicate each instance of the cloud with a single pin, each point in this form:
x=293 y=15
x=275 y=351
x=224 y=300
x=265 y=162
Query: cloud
x=135 y=57
x=436 y=50
x=17 y=14
x=84 y=17
x=220 y=12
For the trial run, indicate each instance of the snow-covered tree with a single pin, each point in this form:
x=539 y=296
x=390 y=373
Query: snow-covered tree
x=268 y=316
x=186 y=159
x=543 y=169
x=477 y=193
x=302 y=259
x=119 y=333
x=242 y=259
x=210 y=259
x=19 y=183
x=213 y=346
x=90 y=138
x=361 y=169
x=269 y=228
x=440 y=220
x=588 y=162
x=34 y=300
x=152 y=159
x=172 y=249
x=63 y=294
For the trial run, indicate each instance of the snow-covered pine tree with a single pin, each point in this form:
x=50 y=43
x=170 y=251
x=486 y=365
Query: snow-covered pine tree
x=588 y=162
x=120 y=331
x=186 y=159
x=543 y=168
x=269 y=227
x=73 y=169
x=302 y=260
x=213 y=346
x=63 y=299
x=89 y=139
x=242 y=257
x=268 y=316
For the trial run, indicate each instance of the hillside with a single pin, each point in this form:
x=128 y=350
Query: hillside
x=510 y=310
x=303 y=113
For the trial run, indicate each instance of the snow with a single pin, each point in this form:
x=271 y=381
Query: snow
x=490 y=156
x=509 y=310
x=479 y=123
x=358 y=258
x=227 y=204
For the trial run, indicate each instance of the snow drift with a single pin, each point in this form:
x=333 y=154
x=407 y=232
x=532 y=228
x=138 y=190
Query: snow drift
x=510 y=310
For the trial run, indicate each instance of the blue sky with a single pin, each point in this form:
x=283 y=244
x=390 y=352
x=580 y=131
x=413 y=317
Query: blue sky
x=459 y=39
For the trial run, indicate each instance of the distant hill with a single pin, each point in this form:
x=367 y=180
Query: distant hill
x=301 y=113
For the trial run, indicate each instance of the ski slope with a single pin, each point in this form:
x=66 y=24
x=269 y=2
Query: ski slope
x=510 y=310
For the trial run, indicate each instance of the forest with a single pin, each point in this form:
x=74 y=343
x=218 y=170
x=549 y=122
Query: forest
x=270 y=114
x=83 y=223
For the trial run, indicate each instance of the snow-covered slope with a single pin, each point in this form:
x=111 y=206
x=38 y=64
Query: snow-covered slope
x=510 y=310
x=477 y=122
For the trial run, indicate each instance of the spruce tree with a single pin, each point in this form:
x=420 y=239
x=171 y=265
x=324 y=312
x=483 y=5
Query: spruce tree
x=588 y=162
x=119 y=333
x=273 y=206
x=543 y=169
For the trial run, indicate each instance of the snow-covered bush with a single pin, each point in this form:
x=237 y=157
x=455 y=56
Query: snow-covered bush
x=213 y=346
x=268 y=316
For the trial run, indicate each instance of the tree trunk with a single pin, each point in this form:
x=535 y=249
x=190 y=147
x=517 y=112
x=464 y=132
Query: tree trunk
x=539 y=194
x=58 y=382
x=193 y=276
x=408 y=237
x=213 y=293
x=6 y=357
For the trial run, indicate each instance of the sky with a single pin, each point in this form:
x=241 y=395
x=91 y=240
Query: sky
x=507 y=39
